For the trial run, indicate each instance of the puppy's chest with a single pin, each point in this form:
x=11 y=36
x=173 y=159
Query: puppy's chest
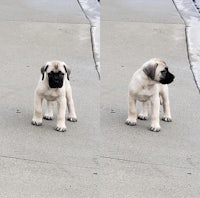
x=51 y=94
x=144 y=94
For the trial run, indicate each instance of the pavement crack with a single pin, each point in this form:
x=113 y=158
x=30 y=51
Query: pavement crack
x=91 y=10
x=145 y=163
x=24 y=159
x=45 y=162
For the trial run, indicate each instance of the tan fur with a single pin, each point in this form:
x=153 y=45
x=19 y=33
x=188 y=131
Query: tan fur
x=148 y=90
x=63 y=97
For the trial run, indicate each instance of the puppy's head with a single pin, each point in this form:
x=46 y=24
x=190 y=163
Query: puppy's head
x=157 y=70
x=55 y=72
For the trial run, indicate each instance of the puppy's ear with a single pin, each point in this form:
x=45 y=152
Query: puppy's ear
x=68 y=71
x=150 y=70
x=44 y=69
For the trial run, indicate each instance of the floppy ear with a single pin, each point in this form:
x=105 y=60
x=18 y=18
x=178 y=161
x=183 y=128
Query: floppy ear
x=68 y=71
x=44 y=69
x=150 y=70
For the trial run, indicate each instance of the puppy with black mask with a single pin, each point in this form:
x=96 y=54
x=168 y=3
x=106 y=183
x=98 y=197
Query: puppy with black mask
x=149 y=84
x=54 y=85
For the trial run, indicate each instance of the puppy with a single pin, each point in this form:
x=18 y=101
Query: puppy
x=54 y=85
x=149 y=84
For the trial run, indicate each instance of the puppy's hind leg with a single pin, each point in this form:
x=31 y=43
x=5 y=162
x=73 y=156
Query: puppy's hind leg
x=164 y=93
x=49 y=112
x=143 y=115
x=70 y=105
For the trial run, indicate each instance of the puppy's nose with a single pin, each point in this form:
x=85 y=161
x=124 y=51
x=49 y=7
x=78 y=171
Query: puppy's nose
x=56 y=76
x=172 y=76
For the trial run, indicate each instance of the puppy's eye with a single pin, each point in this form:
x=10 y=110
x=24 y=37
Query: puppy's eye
x=163 y=72
x=50 y=73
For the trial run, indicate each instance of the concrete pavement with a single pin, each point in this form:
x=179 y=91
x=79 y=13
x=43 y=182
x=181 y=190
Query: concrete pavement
x=137 y=162
x=38 y=161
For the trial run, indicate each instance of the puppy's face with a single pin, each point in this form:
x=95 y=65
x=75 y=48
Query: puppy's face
x=157 y=70
x=55 y=72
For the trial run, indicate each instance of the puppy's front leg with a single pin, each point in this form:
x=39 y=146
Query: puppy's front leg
x=49 y=113
x=70 y=105
x=132 y=112
x=155 y=124
x=166 y=107
x=144 y=113
x=37 y=116
x=61 y=102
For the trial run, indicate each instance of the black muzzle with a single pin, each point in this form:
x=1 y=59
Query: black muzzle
x=169 y=77
x=55 y=79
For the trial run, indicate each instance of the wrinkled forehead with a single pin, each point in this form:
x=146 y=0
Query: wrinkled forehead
x=161 y=65
x=55 y=66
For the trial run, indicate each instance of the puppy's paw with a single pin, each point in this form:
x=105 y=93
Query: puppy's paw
x=130 y=123
x=72 y=119
x=61 y=129
x=48 y=117
x=155 y=129
x=142 y=117
x=36 y=122
x=167 y=119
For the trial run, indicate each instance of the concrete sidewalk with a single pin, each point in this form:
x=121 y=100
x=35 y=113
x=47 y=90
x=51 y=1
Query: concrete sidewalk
x=137 y=162
x=38 y=161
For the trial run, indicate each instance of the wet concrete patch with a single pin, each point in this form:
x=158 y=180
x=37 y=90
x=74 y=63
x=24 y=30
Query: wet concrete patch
x=42 y=11
x=156 y=11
